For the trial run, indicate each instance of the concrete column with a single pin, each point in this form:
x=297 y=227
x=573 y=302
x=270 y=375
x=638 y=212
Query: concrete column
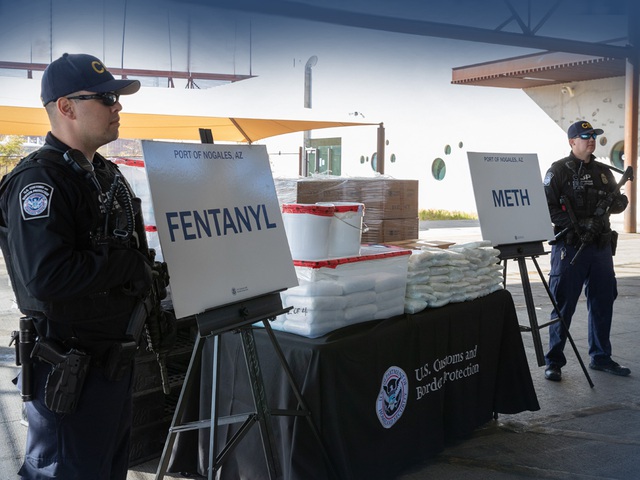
x=632 y=80
x=381 y=145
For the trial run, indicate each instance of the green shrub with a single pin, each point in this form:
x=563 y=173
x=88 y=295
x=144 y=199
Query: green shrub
x=445 y=215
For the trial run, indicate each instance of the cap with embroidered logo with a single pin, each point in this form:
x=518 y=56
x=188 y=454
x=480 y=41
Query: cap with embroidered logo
x=75 y=72
x=581 y=127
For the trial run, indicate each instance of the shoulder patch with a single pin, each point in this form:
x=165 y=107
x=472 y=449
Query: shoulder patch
x=547 y=178
x=35 y=199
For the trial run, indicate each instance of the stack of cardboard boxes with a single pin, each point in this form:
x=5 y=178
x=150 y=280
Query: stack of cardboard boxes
x=390 y=205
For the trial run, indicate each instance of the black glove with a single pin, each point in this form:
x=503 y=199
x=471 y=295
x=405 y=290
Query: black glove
x=590 y=229
x=620 y=202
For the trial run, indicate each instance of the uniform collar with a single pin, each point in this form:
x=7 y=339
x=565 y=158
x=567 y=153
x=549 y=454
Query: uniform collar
x=578 y=161
x=53 y=141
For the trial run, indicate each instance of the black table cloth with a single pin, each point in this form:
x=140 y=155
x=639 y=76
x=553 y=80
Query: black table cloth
x=384 y=394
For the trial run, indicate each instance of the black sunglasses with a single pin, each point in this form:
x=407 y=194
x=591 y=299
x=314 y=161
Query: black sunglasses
x=587 y=136
x=108 y=98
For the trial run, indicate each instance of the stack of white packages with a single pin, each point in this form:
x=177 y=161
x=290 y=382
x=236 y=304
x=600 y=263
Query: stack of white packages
x=464 y=272
x=331 y=297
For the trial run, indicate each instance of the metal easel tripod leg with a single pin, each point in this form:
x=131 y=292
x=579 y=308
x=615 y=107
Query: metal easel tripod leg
x=561 y=320
x=262 y=414
x=303 y=409
x=531 y=311
x=175 y=426
x=520 y=253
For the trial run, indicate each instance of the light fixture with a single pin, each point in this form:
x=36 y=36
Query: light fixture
x=565 y=90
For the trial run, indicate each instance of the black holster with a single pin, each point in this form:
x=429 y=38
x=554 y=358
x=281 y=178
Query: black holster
x=64 y=384
x=605 y=240
x=614 y=242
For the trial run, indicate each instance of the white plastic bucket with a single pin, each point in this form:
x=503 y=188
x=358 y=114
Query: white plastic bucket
x=346 y=228
x=308 y=227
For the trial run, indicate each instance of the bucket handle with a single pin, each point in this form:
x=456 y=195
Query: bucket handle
x=364 y=229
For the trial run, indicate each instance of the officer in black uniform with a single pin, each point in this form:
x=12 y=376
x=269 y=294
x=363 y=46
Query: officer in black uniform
x=583 y=182
x=70 y=233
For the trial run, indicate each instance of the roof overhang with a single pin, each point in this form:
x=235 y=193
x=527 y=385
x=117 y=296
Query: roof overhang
x=537 y=70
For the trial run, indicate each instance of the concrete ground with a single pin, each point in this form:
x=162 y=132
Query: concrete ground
x=579 y=433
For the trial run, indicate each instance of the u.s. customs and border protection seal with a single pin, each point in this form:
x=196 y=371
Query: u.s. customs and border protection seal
x=35 y=199
x=392 y=399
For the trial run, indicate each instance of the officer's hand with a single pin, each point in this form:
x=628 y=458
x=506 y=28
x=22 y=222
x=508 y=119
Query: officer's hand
x=590 y=229
x=593 y=225
x=619 y=203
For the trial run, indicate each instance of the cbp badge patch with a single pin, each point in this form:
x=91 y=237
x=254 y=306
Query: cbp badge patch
x=547 y=179
x=392 y=399
x=35 y=199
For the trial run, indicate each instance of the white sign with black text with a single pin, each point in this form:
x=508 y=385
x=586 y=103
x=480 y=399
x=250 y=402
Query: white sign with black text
x=219 y=223
x=510 y=198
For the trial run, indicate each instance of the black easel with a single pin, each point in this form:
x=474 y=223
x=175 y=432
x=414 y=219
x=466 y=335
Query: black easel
x=532 y=250
x=239 y=317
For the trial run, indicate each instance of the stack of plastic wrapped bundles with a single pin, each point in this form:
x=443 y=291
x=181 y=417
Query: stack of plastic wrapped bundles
x=463 y=272
x=338 y=292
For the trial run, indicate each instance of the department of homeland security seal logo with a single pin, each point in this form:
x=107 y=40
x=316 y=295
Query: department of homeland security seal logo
x=35 y=199
x=393 y=395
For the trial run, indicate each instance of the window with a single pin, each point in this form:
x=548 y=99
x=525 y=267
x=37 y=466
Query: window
x=438 y=169
x=617 y=155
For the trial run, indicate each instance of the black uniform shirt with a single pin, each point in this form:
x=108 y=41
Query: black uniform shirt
x=584 y=184
x=50 y=214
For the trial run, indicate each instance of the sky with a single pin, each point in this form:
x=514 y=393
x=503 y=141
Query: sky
x=401 y=80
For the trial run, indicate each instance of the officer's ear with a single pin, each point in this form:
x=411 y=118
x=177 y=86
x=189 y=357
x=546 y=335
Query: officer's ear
x=66 y=107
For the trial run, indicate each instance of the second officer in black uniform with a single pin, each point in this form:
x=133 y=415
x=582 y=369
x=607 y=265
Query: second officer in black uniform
x=578 y=186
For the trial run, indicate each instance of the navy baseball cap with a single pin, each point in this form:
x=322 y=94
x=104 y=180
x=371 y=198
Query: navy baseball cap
x=581 y=127
x=74 y=72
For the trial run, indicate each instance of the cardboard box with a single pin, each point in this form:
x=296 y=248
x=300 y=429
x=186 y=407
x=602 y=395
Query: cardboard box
x=382 y=197
x=390 y=230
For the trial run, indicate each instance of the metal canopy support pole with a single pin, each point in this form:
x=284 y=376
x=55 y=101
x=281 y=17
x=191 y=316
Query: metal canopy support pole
x=380 y=150
x=632 y=79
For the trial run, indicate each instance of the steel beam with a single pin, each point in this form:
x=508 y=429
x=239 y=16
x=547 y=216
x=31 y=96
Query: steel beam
x=304 y=11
